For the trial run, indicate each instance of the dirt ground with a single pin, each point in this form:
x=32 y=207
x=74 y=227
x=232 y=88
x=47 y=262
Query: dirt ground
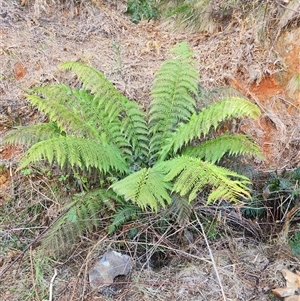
x=33 y=44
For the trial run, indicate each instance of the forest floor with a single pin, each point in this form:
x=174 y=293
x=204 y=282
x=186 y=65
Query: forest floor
x=33 y=44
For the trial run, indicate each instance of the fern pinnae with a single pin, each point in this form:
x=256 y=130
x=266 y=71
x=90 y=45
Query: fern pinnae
x=135 y=127
x=172 y=102
x=191 y=175
x=123 y=215
x=67 y=120
x=110 y=100
x=75 y=151
x=82 y=214
x=180 y=209
x=106 y=123
x=145 y=187
x=201 y=123
x=31 y=134
x=60 y=92
x=213 y=150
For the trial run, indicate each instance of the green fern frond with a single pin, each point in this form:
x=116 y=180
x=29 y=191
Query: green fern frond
x=68 y=119
x=213 y=150
x=74 y=151
x=77 y=112
x=105 y=122
x=172 y=91
x=114 y=103
x=84 y=214
x=145 y=187
x=135 y=128
x=200 y=124
x=123 y=215
x=180 y=209
x=60 y=92
x=95 y=81
x=191 y=175
x=31 y=134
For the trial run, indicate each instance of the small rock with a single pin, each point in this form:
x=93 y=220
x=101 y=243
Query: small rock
x=111 y=265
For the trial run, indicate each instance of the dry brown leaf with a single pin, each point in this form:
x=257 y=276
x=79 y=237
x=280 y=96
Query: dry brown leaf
x=3 y=179
x=19 y=70
x=292 y=298
x=279 y=124
x=284 y=292
x=292 y=279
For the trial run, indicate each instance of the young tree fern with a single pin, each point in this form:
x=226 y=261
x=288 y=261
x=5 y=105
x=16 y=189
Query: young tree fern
x=143 y=157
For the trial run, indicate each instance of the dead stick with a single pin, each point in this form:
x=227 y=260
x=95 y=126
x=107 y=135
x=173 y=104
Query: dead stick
x=51 y=285
x=211 y=257
x=85 y=264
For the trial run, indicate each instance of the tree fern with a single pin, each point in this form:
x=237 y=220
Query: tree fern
x=142 y=159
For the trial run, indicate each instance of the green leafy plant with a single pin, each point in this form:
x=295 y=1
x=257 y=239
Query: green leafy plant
x=142 y=9
x=278 y=193
x=211 y=16
x=140 y=159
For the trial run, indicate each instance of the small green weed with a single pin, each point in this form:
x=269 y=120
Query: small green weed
x=142 y=9
x=294 y=243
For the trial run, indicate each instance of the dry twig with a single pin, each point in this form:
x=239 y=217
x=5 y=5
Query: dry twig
x=211 y=256
x=51 y=285
x=85 y=266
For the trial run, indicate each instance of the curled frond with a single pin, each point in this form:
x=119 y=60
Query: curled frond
x=172 y=91
x=74 y=151
x=31 y=134
x=145 y=187
x=191 y=175
x=213 y=150
x=211 y=117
